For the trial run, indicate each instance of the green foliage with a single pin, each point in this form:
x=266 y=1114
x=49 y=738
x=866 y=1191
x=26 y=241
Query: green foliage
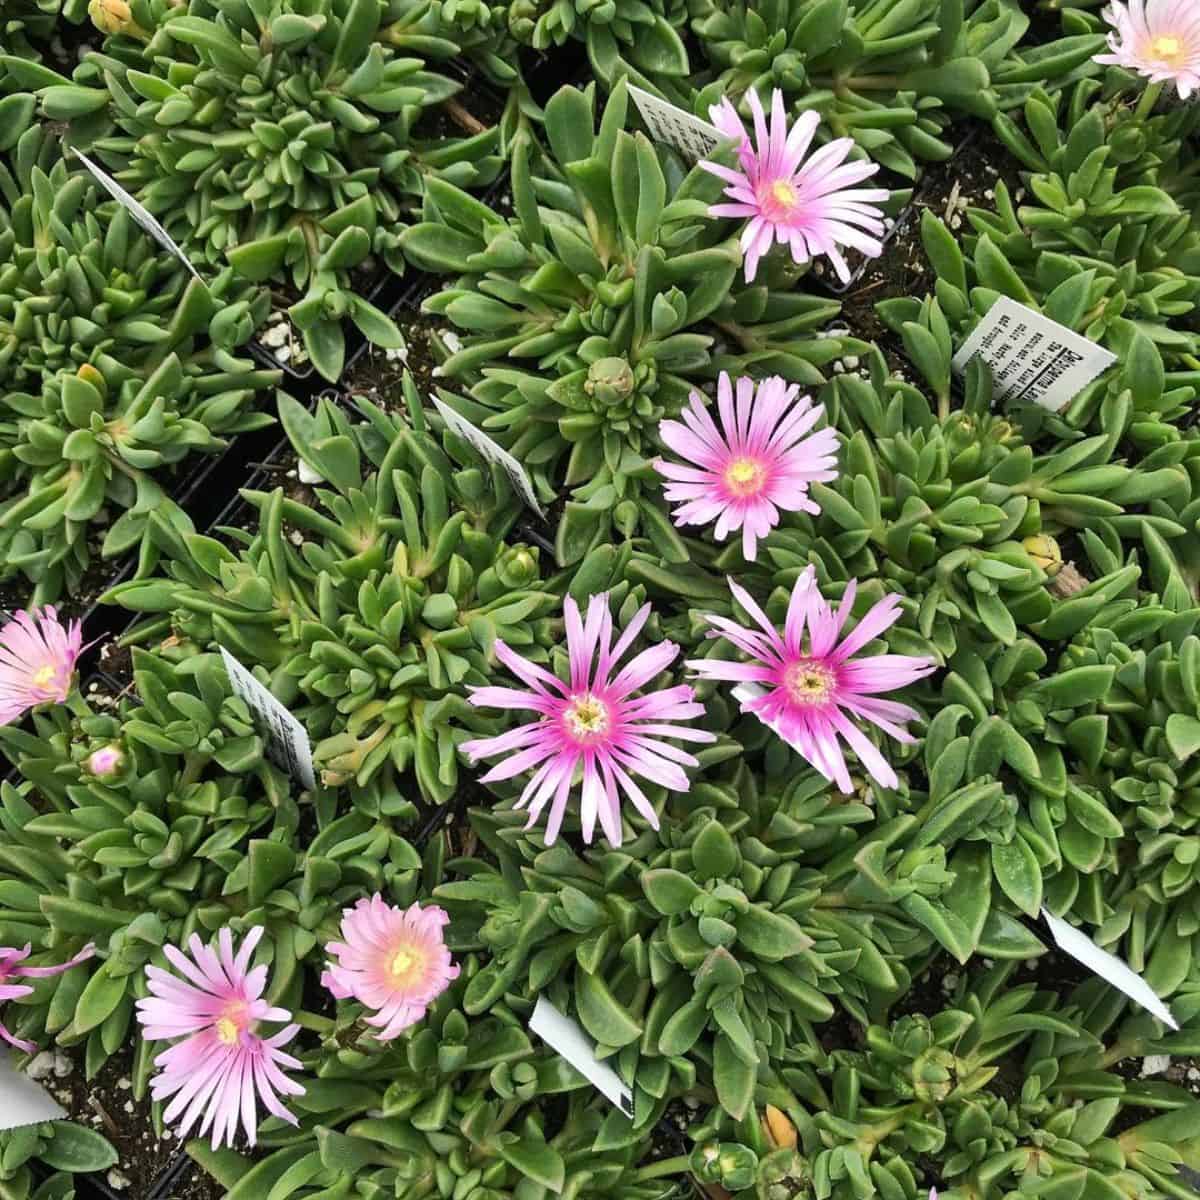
x=381 y=612
x=589 y=315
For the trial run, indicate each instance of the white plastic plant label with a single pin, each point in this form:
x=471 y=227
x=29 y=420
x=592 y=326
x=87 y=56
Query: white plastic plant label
x=692 y=137
x=491 y=452
x=139 y=214
x=1033 y=358
x=1110 y=968
x=565 y=1037
x=287 y=740
x=23 y=1101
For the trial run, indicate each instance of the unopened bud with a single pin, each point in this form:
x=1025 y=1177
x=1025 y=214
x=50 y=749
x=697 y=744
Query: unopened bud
x=106 y=762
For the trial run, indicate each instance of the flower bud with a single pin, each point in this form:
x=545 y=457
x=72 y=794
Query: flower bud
x=517 y=567
x=610 y=380
x=113 y=17
x=1044 y=551
x=106 y=762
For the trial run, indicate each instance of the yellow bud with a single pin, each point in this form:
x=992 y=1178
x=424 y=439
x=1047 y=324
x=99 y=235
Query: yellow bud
x=779 y=1130
x=1044 y=551
x=115 y=16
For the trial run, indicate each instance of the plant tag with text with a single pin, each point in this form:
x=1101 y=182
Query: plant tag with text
x=139 y=214
x=287 y=740
x=1033 y=358
x=1110 y=968
x=565 y=1037
x=23 y=1101
x=692 y=137
x=488 y=450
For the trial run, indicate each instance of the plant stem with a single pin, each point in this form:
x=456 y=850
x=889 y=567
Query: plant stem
x=1145 y=105
x=667 y=1166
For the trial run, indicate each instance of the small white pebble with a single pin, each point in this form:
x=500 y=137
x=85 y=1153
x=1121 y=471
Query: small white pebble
x=129 y=1106
x=124 y=1083
x=451 y=341
x=117 y=1180
x=990 y=194
x=283 y=354
x=296 y=538
x=42 y=1066
x=1031 y=964
x=1193 y=1073
x=851 y=362
x=1155 y=1064
x=276 y=335
x=63 y=1066
x=839 y=368
x=307 y=474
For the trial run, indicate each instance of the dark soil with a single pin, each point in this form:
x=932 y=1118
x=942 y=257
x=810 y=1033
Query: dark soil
x=107 y=1105
x=191 y=1183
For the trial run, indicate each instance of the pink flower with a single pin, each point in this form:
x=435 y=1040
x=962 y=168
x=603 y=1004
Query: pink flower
x=593 y=725
x=37 y=661
x=811 y=206
x=758 y=462
x=393 y=960
x=1159 y=39
x=10 y=969
x=223 y=1063
x=807 y=693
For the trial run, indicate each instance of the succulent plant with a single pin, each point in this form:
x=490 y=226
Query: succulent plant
x=619 y=293
x=27 y=1152
x=888 y=76
x=644 y=34
x=116 y=366
x=379 y=615
x=285 y=139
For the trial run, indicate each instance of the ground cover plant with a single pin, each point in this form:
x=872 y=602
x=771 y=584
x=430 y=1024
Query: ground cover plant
x=729 y=590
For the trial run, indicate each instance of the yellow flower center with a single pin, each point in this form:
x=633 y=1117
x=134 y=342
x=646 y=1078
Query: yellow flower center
x=406 y=966
x=784 y=194
x=231 y=1024
x=808 y=682
x=44 y=676
x=745 y=477
x=1169 y=49
x=587 y=716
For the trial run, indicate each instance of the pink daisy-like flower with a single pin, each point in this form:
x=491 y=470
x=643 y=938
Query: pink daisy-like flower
x=761 y=460
x=593 y=726
x=807 y=689
x=223 y=1064
x=1159 y=39
x=10 y=968
x=37 y=661
x=393 y=960
x=811 y=206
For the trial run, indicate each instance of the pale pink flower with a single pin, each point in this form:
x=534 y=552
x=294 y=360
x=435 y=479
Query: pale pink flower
x=223 y=1065
x=37 y=661
x=10 y=968
x=811 y=206
x=762 y=459
x=807 y=689
x=593 y=726
x=393 y=960
x=1159 y=39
